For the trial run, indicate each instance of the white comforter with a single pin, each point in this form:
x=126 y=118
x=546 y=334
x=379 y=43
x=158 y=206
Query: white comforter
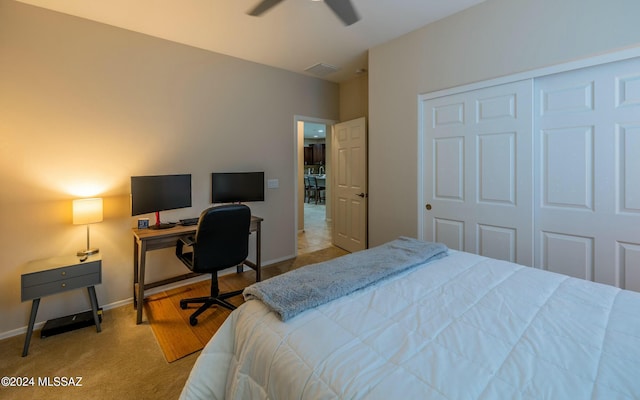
x=463 y=327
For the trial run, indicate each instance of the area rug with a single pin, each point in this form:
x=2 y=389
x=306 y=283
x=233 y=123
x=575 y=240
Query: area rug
x=170 y=324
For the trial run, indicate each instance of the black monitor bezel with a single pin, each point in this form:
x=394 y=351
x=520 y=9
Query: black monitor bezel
x=257 y=192
x=158 y=202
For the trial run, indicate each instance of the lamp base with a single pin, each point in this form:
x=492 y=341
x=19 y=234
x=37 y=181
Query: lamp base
x=87 y=252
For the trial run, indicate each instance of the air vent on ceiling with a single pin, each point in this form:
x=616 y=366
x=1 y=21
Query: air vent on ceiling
x=321 y=69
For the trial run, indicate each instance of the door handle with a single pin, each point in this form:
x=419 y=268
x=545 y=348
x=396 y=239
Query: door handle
x=363 y=195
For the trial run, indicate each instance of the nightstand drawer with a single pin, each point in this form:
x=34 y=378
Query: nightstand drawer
x=60 y=285
x=42 y=278
x=56 y=274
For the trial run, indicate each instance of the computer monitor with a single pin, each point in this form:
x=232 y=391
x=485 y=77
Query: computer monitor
x=155 y=193
x=237 y=187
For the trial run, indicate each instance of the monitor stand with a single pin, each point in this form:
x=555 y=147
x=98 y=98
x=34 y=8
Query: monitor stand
x=160 y=225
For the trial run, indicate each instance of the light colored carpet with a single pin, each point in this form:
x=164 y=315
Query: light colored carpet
x=123 y=361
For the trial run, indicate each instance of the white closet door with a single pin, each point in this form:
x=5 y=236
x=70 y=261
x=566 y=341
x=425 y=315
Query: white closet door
x=478 y=171
x=587 y=165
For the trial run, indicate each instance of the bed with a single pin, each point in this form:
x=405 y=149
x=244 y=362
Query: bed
x=461 y=326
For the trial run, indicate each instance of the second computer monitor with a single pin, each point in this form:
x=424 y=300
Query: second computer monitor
x=237 y=187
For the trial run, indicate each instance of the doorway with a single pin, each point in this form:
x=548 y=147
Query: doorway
x=313 y=215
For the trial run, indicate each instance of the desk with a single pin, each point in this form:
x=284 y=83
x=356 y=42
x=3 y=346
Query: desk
x=153 y=239
x=55 y=275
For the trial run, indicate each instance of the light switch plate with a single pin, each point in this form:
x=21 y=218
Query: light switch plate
x=273 y=183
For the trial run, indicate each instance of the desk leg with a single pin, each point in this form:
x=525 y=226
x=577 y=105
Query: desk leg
x=258 y=249
x=94 y=307
x=141 y=267
x=135 y=270
x=32 y=321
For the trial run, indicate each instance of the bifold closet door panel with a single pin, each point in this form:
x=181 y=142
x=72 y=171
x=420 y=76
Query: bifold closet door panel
x=477 y=171
x=586 y=173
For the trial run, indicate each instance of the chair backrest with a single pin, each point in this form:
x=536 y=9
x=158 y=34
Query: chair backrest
x=313 y=182
x=222 y=238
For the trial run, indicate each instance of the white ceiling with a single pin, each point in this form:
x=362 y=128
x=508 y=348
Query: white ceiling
x=314 y=131
x=294 y=35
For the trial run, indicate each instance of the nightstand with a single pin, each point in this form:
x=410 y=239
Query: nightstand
x=59 y=274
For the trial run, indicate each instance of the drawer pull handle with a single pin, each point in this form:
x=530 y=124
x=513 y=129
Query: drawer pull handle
x=64 y=285
x=64 y=273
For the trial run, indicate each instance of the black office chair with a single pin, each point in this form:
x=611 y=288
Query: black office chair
x=221 y=241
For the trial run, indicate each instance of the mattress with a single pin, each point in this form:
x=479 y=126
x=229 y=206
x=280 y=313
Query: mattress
x=462 y=327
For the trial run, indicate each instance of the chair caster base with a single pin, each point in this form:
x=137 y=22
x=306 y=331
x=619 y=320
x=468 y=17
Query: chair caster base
x=193 y=321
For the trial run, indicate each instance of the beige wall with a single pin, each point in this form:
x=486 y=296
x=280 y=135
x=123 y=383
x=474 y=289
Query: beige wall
x=354 y=98
x=495 y=38
x=83 y=106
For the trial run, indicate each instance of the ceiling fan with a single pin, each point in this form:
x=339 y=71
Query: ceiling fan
x=342 y=8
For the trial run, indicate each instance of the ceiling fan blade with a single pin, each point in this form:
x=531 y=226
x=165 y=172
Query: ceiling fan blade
x=344 y=10
x=263 y=6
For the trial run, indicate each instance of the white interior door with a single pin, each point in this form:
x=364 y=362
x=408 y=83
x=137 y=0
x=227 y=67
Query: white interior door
x=349 y=160
x=478 y=171
x=588 y=198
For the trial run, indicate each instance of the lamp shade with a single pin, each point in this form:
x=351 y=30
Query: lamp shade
x=87 y=211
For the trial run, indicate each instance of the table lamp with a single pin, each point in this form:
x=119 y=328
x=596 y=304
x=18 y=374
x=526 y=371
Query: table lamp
x=87 y=211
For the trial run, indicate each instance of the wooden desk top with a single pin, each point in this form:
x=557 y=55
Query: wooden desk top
x=178 y=230
x=154 y=233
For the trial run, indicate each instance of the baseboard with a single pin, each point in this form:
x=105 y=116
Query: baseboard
x=20 y=331
x=278 y=260
x=39 y=325
x=129 y=301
